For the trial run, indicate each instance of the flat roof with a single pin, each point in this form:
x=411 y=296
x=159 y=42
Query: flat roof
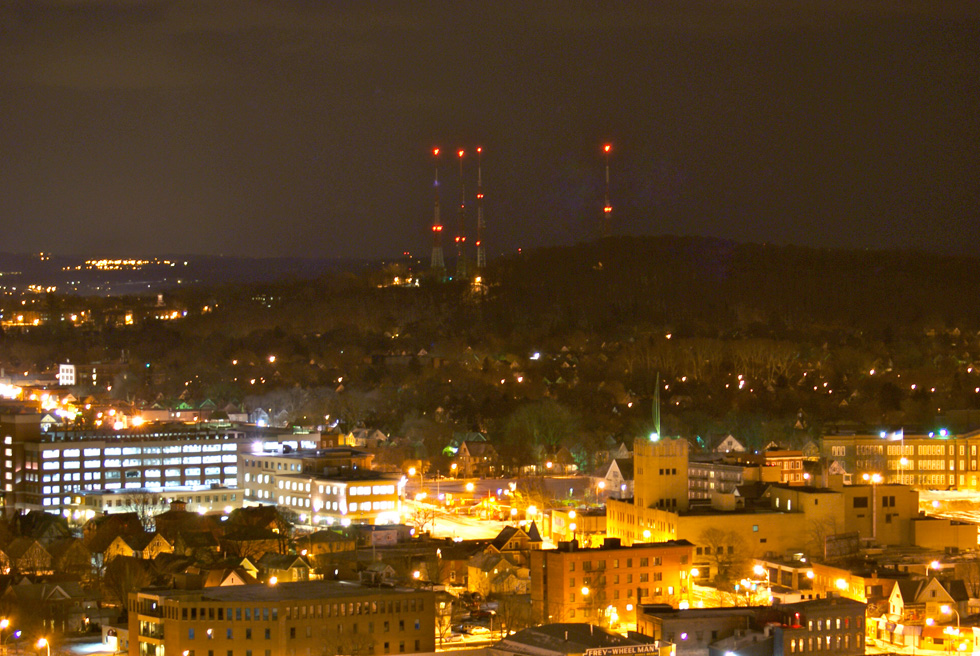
x=292 y=591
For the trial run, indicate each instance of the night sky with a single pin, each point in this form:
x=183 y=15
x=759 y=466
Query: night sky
x=302 y=127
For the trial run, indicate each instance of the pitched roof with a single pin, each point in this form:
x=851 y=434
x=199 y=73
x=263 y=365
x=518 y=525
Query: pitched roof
x=271 y=560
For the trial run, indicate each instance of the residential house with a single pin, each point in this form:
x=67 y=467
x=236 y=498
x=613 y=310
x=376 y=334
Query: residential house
x=476 y=459
x=251 y=542
x=26 y=556
x=141 y=545
x=71 y=556
x=515 y=543
x=285 y=567
x=202 y=546
x=614 y=479
x=325 y=542
x=492 y=573
x=59 y=607
x=378 y=573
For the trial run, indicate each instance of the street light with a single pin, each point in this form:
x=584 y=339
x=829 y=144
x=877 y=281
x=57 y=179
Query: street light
x=946 y=609
x=764 y=571
x=412 y=471
x=43 y=642
x=874 y=479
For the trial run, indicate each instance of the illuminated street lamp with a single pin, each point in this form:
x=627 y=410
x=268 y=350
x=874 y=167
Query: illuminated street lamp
x=469 y=487
x=412 y=471
x=946 y=609
x=759 y=570
x=43 y=642
x=874 y=479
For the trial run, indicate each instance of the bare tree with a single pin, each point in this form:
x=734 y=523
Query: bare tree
x=727 y=554
x=513 y=613
x=146 y=507
x=422 y=517
x=970 y=570
x=122 y=576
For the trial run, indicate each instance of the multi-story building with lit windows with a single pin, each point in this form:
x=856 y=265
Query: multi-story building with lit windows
x=938 y=460
x=332 y=497
x=52 y=470
x=604 y=585
x=310 y=617
x=198 y=498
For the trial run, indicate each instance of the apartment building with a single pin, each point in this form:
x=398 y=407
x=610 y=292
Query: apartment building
x=603 y=585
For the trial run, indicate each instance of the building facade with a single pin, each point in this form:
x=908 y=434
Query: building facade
x=933 y=461
x=604 y=585
x=324 y=495
x=309 y=618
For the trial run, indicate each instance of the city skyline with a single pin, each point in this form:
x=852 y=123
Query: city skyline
x=285 y=129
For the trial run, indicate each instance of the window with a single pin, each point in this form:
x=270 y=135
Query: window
x=860 y=502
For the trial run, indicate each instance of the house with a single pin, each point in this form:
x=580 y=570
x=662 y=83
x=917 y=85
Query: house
x=454 y=561
x=202 y=546
x=285 y=567
x=177 y=519
x=920 y=600
x=99 y=532
x=42 y=526
x=197 y=578
x=60 y=607
x=726 y=443
x=140 y=545
x=515 y=543
x=71 y=556
x=476 y=459
x=27 y=556
x=251 y=542
x=378 y=573
x=325 y=542
x=614 y=479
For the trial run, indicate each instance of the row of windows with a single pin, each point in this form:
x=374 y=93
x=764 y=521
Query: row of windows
x=49 y=454
x=832 y=643
x=305 y=611
x=644 y=578
x=587 y=565
x=268 y=652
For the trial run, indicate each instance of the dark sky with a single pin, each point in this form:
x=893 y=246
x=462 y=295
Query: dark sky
x=304 y=127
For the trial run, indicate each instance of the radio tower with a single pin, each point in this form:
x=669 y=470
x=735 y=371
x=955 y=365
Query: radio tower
x=461 y=235
x=607 y=208
x=438 y=264
x=481 y=256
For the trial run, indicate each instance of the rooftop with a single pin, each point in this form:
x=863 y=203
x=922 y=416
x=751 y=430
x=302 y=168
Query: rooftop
x=294 y=591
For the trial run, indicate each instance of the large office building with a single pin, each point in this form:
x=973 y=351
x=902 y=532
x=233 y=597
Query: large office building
x=325 y=487
x=604 y=585
x=52 y=470
x=323 y=618
x=933 y=461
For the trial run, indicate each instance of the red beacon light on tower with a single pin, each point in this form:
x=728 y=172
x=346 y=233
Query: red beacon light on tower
x=606 y=148
x=435 y=151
